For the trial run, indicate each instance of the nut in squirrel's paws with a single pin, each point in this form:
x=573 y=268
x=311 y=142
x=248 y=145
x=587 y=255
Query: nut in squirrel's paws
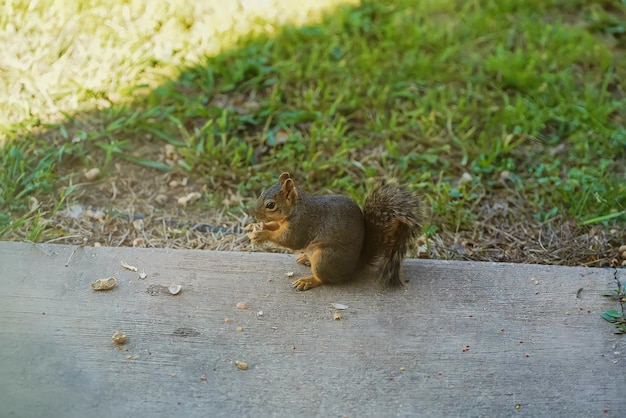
x=250 y=227
x=261 y=231
x=256 y=236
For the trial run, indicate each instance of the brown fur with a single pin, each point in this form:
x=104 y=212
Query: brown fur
x=336 y=238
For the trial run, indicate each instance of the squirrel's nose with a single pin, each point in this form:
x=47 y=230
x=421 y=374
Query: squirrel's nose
x=254 y=212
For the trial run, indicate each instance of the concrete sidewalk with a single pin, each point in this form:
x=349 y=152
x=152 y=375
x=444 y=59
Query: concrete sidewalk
x=462 y=339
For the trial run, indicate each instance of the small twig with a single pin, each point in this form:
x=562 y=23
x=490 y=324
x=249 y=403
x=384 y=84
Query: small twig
x=114 y=190
x=539 y=241
x=165 y=234
x=621 y=292
x=62 y=238
x=67 y=263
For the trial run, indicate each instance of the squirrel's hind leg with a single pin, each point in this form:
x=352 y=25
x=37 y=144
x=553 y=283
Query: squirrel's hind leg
x=306 y=283
x=328 y=265
x=312 y=257
x=303 y=258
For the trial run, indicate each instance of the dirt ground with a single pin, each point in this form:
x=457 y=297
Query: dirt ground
x=134 y=207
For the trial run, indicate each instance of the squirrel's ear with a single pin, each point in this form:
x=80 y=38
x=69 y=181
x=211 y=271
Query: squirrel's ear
x=283 y=177
x=289 y=189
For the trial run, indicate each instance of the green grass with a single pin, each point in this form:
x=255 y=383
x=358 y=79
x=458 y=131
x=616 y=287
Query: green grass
x=524 y=96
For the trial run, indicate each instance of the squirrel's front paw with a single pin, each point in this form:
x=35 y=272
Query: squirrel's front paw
x=252 y=227
x=258 y=236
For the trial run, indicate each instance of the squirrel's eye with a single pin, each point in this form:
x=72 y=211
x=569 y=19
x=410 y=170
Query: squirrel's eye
x=270 y=205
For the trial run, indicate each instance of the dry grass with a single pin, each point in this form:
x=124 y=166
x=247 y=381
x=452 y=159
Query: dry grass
x=130 y=208
x=62 y=57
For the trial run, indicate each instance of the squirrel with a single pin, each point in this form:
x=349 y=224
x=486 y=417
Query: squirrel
x=335 y=237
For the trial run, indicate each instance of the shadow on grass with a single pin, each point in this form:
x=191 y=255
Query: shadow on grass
x=500 y=120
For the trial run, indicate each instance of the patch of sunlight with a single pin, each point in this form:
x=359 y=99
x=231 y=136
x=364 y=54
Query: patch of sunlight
x=62 y=56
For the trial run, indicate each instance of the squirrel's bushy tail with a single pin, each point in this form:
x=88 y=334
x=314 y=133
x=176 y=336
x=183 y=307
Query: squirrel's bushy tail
x=393 y=220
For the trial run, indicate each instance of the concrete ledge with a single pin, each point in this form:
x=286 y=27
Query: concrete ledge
x=462 y=339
